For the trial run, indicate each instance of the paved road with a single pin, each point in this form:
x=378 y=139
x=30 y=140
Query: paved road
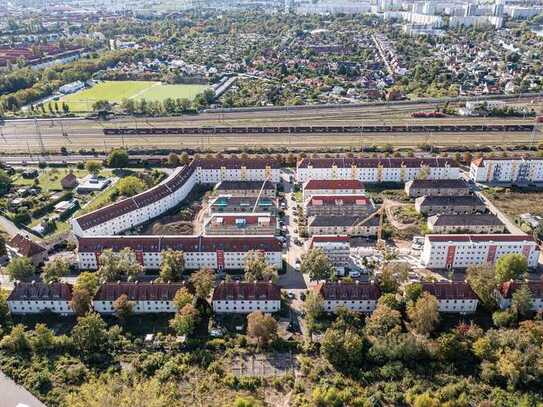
x=10 y=228
x=13 y=395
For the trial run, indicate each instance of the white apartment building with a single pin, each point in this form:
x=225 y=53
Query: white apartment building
x=357 y=296
x=377 y=170
x=123 y=215
x=511 y=170
x=462 y=251
x=215 y=252
x=244 y=298
x=336 y=248
x=453 y=296
x=36 y=297
x=505 y=292
x=332 y=187
x=145 y=297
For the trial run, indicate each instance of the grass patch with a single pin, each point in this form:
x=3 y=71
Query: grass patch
x=514 y=201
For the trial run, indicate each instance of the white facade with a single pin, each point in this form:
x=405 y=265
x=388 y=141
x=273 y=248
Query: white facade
x=507 y=170
x=462 y=251
x=456 y=305
x=359 y=297
x=376 y=170
x=336 y=248
x=245 y=306
x=139 y=307
x=37 y=306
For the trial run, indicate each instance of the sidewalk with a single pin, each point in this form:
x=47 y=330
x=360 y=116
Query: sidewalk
x=14 y=395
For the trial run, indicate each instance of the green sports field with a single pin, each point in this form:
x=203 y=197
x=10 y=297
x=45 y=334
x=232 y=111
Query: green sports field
x=116 y=91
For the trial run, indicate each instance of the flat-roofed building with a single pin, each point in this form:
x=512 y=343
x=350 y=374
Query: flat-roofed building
x=246 y=188
x=461 y=204
x=332 y=187
x=336 y=247
x=339 y=205
x=453 y=296
x=246 y=297
x=508 y=170
x=445 y=187
x=241 y=224
x=239 y=204
x=343 y=225
x=462 y=251
x=357 y=296
x=476 y=223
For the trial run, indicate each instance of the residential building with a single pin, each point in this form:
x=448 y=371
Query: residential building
x=213 y=170
x=92 y=183
x=145 y=297
x=477 y=223
x=377 y=170
x=215 y=252
x=343 y=225
x=246 y=188
x=37 y=297
x=448 y=187
x=505 y=292
x=69 y=181
x=244 y=298
x=332 y=187
x=453 y=296
x=462 y=251
x=357 y=296
x=22 y=246
x=508 y=170
x=336 y=247
x=338 y=205
x=71 y=87
x=237 y=204
x=228 y=224
x=461 y=204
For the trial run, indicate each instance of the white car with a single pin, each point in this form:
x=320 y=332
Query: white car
x=354 y=274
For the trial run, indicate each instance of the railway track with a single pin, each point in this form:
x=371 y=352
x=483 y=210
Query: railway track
x=467 y=128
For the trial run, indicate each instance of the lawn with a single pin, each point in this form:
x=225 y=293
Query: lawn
x=49 y=178
x=116 y=91
x=516 y=201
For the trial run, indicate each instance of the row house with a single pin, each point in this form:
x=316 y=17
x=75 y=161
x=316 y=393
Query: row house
x=505 y=292
x=22 y=246
x=336 y=247
x=377 y=170
x=215 y=252
x=447 y=187
x=461 y=204
x=508 y=170
x=37 y=297
x=357 y=296
x=343 y=225
x=338 y=205
x=475 y=223
x=462 y=251
x=242 y=204
x=127 y=213
x=246 y=297
x=453 y=296
x=332 y=187
x=145 y=297
x=241 y=224
x=246 y=188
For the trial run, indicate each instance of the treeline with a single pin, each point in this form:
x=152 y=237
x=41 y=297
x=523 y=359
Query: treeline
x=24 y=86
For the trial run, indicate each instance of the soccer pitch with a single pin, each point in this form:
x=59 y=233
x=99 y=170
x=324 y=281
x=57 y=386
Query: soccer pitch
x=116 y=91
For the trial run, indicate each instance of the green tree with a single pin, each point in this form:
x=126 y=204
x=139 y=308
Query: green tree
x=384 y=321
x=5 y=182
x=261 y=326
x=182 y=298
x=256 y=268
x=317 y=265
x=115 y=265
x=93 y=166
x=314 y=308
x=100 y=106
x=20 y=269
x=412 y=292
x=87 y=281
x=345 y=350
x=173 y=160
x=117 y=158
x=55 y=269
x=185 y=320
x=81 y=301
x=130 y=186
x=505 y=318
x=510 y=267
x=202 y=282
x=90 y=334
x=43 y=339
x=17 y=341
x=522 y=300
x=392 y=275
x=424 y=314
x=482 y=280
x=123 y=307
x=173 y=265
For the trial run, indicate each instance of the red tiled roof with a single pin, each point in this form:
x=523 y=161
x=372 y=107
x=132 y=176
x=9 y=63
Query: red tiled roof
x=41 y=291
x=450 y=290
x=480 y=238
x=25 y=247
x=138 y=291
x=509 y=287
x=333 y=184
x=348 y=291
x=410 y=162
x=237 y=291
x=185 y=243
x=338 y=200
